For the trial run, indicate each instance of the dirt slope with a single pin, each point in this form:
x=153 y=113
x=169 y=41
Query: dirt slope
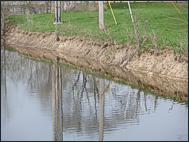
x=165 y=74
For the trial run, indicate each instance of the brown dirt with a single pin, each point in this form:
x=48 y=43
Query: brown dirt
x=163 y=73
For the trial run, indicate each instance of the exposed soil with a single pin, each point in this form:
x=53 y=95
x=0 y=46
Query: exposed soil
x=164 y=73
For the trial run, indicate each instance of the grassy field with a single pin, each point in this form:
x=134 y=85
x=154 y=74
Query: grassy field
x=159 y=24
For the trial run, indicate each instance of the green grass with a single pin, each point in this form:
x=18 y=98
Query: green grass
x=169 y=24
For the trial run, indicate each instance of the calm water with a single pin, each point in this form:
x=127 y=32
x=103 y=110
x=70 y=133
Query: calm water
x=40 y=101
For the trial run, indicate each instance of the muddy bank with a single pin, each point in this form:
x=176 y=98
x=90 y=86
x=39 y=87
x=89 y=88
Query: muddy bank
x=164 y=73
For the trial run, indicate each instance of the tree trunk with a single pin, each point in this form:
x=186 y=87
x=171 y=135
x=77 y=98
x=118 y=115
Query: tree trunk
x=57 y=12
x=101 y=15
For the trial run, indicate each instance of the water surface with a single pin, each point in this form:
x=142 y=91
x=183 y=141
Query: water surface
x=40 y=101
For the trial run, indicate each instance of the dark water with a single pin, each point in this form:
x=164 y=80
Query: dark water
x=40 y=101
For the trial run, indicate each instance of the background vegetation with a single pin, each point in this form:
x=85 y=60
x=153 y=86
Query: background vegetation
x=159 y=25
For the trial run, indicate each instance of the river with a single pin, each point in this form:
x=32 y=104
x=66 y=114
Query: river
x=42 y=101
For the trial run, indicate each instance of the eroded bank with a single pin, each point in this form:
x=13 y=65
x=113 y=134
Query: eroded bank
x=164 y=73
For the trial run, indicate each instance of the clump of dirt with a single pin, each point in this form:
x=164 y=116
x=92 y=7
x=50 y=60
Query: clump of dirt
x=162 y=72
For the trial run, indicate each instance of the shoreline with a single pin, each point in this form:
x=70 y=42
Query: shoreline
x=164 y=73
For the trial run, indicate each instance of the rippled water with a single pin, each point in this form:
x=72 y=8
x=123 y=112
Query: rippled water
x=40 y=101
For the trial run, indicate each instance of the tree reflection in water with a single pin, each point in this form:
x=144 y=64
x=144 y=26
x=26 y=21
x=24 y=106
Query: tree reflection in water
x=57 y=103
x=80 y=101
x=4 y=100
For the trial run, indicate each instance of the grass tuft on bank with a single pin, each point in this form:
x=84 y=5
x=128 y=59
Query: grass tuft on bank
x=160 y=25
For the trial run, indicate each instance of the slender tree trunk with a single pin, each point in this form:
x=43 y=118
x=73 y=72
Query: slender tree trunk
x=29 y=7
x=57 y=12
x=101 y=15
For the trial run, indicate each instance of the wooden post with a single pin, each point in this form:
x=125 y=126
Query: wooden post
x=57 y=12
x=57 y=17
x=101 y=15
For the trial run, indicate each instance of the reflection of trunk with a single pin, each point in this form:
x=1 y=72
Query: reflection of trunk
x=145 y=102
x=138 y=102
x=95 y=92
x=2 y=44
x=57 y=103
x=101 y=115
x=155 y=102
x=4 y=71
x=4 y=96
x=47 y=6
x=84 y=87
